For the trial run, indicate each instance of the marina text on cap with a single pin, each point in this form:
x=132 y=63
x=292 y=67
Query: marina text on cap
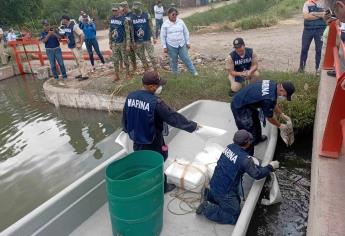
x=242 y=137
x=289 y=88
x=152 y=77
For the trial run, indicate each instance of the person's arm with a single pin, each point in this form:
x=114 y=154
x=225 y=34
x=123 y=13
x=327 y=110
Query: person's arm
x=44 y=39
x=174 y=118
x=231 y=67
x=268 y=107
x=80 y=33
x=254 y=66
x=163 y=37
x=311 y=15
x=151 y=28
x=254 y=171
x=185 y=33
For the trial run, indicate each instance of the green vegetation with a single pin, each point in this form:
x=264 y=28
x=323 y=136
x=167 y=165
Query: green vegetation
x=245 y=14
x=213 y=84
x=26 y=15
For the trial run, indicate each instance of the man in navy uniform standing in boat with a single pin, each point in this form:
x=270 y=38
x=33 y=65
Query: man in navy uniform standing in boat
x=258 y=101
x=143 y=116
x=222 y=202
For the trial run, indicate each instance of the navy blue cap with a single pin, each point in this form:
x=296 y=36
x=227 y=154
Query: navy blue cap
x=289 y=88
x=242 y=137
x=152 y=77
x=238 y=42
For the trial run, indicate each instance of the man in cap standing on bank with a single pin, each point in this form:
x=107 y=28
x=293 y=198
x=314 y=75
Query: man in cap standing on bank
x=124 y=7
x=222 y=202
x=143 y=31
x=143 y=116
x=258 y=101
x=50 y=37
x=242 y=65
x=119 y=40
x=75 y=39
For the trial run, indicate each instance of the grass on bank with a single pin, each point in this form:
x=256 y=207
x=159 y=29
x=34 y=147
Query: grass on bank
x=245 y=14
x=214 y=85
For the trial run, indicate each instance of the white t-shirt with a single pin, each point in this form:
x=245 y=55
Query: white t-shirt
x=159 y=11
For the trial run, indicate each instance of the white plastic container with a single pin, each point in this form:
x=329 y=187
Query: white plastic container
x=187 y=175
x=209 y=157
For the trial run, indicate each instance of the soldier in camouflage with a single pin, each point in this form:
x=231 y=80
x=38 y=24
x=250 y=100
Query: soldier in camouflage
x=142 y=32
x=119 y=40
x=124 y=7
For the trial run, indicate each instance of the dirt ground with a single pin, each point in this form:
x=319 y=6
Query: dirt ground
x=278 y=47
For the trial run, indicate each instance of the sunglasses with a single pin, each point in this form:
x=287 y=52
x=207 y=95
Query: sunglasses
x=174 y=14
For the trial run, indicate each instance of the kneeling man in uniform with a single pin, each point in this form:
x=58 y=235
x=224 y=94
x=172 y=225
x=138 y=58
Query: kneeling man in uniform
x=222 y=201
x=143 y=116
x=242 y=66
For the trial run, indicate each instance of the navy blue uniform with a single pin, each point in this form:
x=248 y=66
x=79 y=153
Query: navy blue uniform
x=224 y=198
x=117 y=29
x=245 y=104
x=141 y=27
x=70 y=35
x=143 y=117
x=313 y=29
x=242 y=63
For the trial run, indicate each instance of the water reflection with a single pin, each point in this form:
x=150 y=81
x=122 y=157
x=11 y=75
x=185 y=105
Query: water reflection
x=44 y=149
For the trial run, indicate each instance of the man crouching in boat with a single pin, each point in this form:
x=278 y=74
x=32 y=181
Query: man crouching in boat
x=258 y=102
x=222 y=202
x=143 y=117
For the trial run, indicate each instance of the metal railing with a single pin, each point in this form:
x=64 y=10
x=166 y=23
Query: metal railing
x=334 y=133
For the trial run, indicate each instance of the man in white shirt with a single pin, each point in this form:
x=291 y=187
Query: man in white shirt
x=159 y=12
x=3 y=55
x=175 y=41
x=11 y=36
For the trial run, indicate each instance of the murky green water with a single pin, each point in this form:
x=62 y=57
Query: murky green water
x=290 y=217
x=44 y=149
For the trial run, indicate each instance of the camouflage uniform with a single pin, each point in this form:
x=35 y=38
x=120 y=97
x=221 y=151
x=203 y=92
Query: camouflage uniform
x=141 y=47
x=131 y=52
x=119 y=50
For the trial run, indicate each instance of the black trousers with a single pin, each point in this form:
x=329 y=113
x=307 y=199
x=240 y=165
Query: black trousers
x=248 y=119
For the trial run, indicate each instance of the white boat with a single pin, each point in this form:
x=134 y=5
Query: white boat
x=81 y=208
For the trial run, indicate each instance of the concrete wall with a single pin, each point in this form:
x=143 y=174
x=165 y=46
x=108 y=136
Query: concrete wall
x=6 y=72
x=78 y=98
x=327 y=191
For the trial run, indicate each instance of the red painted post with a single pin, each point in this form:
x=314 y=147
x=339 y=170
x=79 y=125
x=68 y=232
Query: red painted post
x=333 y=134
x=328 y=63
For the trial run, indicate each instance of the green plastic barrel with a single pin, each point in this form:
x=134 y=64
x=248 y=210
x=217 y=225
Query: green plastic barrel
x=135 y=188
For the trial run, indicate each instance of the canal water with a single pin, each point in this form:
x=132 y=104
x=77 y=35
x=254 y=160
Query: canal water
x=43 y=149
x=288 y=218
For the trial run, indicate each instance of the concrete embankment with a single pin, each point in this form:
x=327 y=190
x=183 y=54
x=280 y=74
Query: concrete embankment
x=327 y=193
x=61 y=95
x=6 y=72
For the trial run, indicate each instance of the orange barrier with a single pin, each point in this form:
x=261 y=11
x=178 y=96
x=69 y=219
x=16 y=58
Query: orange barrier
x=39 y=55
x=335 y=126
x=17 y=53
x=67 y=55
